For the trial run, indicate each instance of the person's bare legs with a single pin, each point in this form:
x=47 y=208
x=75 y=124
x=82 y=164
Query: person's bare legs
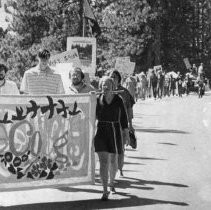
x=121 y=163
x=113 y=169
x=104 y=160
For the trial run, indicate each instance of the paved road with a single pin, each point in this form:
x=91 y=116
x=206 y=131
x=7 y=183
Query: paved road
x=176 y=150
x=169 y=170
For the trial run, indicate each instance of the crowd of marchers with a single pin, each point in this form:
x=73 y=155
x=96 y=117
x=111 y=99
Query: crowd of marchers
x=116 y=95
x=113 y=110
x=158 y=84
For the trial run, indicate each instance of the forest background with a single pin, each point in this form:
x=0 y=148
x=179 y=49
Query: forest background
x=151 y=32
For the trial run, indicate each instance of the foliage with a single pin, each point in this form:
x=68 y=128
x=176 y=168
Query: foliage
x=151 y=32
x=36 y=24
x=125 y=28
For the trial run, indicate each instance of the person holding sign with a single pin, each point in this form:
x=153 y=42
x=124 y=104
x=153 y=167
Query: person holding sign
x=6 y=87
x=112 y=120
x=77 y=83
x=42 y=80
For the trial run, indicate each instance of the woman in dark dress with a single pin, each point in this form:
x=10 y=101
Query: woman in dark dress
x=112 y=127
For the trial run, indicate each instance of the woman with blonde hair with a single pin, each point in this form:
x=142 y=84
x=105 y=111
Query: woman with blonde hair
x=111 y=129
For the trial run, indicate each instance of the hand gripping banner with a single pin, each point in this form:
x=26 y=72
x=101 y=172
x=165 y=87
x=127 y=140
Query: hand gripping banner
x=46 y=140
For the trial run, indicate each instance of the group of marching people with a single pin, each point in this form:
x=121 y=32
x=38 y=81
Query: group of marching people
x=158 y=84
x=115 y=113
x=116 y=95
x=114 y=109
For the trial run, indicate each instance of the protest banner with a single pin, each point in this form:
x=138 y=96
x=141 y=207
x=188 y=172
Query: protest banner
x=157 y=68
x=187 y=63
x=46 y=140
x=124 y=65
x=70 y=56
x=86 y=47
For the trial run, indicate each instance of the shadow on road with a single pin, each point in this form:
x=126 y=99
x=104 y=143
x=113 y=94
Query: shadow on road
x=167 y=143
x=128 y=183
x=145 y=158
x=129 y=149
x=127 y=200
x=150 y=130
x=128 y=163
x=146 y=182
x=130 y=201
x=137 y=115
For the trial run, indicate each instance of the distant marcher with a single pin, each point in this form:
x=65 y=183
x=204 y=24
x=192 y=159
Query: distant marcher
x=160 y=84
x=172 y=85
x=179 y=84
x=187 y=85
x=194 y=69
x=130 y=85
x=201 y=86
x=42 y=79
x=77 y=83
x=112 y=120
x=7 y=87
x=201 y=70
x=142 y=86
x=152 y=83
x=166 y=85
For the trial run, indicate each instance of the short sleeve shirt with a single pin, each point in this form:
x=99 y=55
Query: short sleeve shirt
x=9 y=88
x=36 y=82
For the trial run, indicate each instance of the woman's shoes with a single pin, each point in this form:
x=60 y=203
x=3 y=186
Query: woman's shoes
x=112 y=189
x=105 y=196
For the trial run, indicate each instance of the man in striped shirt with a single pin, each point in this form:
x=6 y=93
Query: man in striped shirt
x=42 y=80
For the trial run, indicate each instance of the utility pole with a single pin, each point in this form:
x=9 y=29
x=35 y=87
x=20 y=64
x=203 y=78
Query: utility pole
x=82 y=22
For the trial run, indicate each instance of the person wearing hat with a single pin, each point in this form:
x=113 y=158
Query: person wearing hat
x=7 y=87
x=42 y=79
x=77 y=84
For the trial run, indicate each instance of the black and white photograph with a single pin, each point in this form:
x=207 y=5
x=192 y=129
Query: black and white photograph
x=105 y=104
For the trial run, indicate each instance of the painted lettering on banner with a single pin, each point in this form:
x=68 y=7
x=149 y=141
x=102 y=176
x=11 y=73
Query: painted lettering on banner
x=44 y=141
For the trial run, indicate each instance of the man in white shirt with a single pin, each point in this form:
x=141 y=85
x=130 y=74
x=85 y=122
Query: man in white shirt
x=42 y=80
x=7 y=87
x=201 y=70
x=77 y=83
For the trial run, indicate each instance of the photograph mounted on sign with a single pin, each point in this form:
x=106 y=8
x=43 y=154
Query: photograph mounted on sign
x=86 y=47
x=70 y=56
